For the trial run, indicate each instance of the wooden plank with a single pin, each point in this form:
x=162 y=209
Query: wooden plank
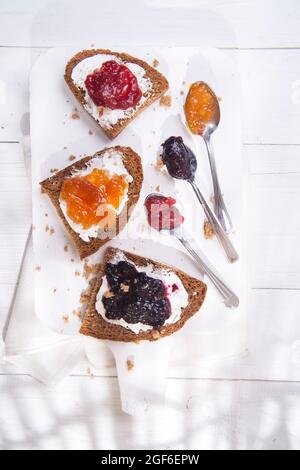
x=271 y=99
x=219 y=23
x=85 y=414
x=272 y=159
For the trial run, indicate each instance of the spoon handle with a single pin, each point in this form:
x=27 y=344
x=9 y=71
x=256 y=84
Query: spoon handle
x=219 y=204
x=223 y=238
x=229 y=297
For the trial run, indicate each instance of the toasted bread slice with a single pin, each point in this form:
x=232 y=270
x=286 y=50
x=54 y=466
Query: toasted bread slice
x=52 y=186
x=95 y=325
x=159 y=86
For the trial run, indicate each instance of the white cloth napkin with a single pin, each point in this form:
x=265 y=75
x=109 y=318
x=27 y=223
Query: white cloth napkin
x=40 y=352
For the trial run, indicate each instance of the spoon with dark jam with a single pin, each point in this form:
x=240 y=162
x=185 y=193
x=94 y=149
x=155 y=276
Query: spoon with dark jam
x=162 y=214
x=181 y=164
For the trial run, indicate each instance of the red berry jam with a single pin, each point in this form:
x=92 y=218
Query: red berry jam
x=113 y=86
x=162 y=213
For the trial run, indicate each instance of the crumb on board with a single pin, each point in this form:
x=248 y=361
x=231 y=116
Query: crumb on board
x=52 y=230
x=212 y=198
x=66 y=248
x=208 y=231
x=54 y=170
x=184 y=82
x=77 y=273
x=65 y=147
x=181 y=92
x=76 y=313
x=90 y=132
x=75 y=114
x=72 y=260
x=157 y=189
x=155 y=63
x=89 y=270
x=72 y=157
x=54 y=290
x=165 y=100
x=130 y=364
x=219 y=98
x=46 y=215
x=47 y=228
x=37 y=268
x=159 y=165
x=65 y=318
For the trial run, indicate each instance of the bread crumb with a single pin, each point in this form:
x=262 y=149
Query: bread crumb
x=46 y=215
x=72 y=157
x=108 y=294
x=47 y=228
x=181 y=92
x=65 y=147
x=72 y=260
x=54 y=290
x=157 y=189
x=76 y=313
x=184 y=82
x=130 y=364
x=90 y=132
x=77 y=273
x=52 y=231
x=54 y=170
x=219 y=98
x=66 y=248
x=160 y=166
x=155 y=63
x=37 y=268
x=124 y=287
x=65 y=318
x=75 y=114
x=212 y=198
x=165 y=100
x=89 y=270
x=208 y=231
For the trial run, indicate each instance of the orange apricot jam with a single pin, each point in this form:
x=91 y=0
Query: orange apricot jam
x=200 y=107
x=92 y=197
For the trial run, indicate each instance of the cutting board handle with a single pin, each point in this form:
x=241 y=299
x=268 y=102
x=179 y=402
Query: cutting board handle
x=142 y=370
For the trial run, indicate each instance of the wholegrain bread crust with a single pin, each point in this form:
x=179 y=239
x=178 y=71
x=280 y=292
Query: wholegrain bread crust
x=52 y=186
x=94 y=324
x=159 y=82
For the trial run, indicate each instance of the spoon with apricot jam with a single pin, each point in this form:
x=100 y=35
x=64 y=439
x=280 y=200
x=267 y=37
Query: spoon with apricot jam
x=181 y=164
x=202 y=113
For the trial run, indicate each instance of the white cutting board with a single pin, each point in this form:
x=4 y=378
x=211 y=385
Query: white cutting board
x=214 y=333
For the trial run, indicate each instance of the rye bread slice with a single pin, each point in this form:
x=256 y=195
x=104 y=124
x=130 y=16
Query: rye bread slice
x=52 y=186
x=159 y=84
x=94 y=324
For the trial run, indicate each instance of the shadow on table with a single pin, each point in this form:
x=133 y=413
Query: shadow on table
x=85 y=413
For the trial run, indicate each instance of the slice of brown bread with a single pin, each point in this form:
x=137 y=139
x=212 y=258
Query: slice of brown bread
x=159 y=83
x=94 y=324
x=52 y=186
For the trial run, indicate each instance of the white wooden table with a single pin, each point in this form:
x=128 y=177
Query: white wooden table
x=83 y=412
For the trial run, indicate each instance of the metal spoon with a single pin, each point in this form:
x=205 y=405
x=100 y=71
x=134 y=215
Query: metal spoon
x=181 y=164
x=228 y=296
x=219 y=204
